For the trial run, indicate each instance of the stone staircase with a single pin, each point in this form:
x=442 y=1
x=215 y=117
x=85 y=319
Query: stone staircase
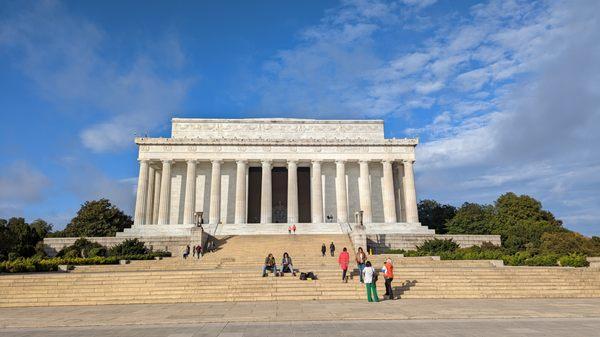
x=232 y=273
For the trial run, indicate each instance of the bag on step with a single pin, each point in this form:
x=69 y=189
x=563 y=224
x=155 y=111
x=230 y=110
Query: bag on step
x=311 y=275
x=303 y=276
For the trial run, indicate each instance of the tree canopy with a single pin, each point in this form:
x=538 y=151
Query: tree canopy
x=435 y=215
x=20 y=239
x=97 y=218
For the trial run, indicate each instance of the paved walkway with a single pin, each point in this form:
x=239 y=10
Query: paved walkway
x=557 y=327
x=287 y=311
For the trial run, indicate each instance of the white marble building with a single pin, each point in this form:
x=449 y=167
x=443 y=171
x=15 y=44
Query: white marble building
x=255 y=176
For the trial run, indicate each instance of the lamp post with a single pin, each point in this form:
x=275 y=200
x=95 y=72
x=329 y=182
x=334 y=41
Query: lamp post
x=198 y=219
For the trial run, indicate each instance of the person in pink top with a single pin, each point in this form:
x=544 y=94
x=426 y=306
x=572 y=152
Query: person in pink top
x=344 y=261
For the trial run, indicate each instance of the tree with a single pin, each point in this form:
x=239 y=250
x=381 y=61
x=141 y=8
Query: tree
x=435 y=215
x=97 y=218
x=41 y=227
x=521 y=221
x=23 y=236
x=471 y=218
x=564 y=243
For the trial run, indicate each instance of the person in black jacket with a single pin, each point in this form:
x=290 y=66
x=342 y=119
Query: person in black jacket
x=332 y=249
x=323 y=249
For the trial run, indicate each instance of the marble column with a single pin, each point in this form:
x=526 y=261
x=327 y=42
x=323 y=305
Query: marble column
x=365 y=192
x=142 y=194
x=387 y=188
x=240 y=192
x=156 y=203
x=150 y=196
x=266 y=199
x=190 y=193
x=292 y=196
x=316 y=188
x=410 y=194
x=215 y=192
x=165 y=193
x=340 y=191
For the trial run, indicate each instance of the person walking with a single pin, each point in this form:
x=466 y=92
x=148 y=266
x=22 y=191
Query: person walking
x=323 y=249
x=389 y=277
x=332 y=249
x=344 y=261
x=294 y=229
x=370 y=278
x=289 y=229
x=199 y=251
x=361 y=259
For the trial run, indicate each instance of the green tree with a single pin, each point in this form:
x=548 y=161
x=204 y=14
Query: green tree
x=565 y=243
x=435 y=215
x=97 y=218
x=41 y=227
x=471 y=218
x=521 y=221
x=23 y=236
x=6 y=240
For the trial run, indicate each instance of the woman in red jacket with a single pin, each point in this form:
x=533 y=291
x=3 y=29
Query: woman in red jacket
x=344 y=260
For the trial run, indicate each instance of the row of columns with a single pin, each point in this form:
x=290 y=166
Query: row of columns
x=154 y=192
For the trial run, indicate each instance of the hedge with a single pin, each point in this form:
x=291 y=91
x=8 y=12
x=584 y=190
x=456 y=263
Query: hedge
x=51 y=264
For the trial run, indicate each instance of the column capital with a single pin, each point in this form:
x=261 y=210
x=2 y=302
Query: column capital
x=364 y=161
x=241 y=161
x=192 y=161
x=408 y=161
x=147 y=161
x=216 y=161
x=266 y=162
x=387 y=161
x=167 y=161
x=292 y=162
x=316 y=161
x=340 y=162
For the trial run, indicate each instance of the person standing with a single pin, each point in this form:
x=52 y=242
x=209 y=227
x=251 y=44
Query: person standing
x=323 y=249
x=294 y=229
x=289 y=229
x=332 y=249
x=344 y=261
x=389 y=277
x=199 y=251
x=370 y=279
x=361 y=258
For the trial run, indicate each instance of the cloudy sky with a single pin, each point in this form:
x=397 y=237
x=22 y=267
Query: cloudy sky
x=504 y=95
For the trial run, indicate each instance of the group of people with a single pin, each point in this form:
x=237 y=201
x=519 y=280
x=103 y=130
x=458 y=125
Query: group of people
x=198 y=251
x=368 y=274
x=331 y=249
x=271 y=265
x=292 y=229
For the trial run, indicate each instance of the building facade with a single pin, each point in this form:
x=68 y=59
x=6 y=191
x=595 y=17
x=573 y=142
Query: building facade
x=256 y=176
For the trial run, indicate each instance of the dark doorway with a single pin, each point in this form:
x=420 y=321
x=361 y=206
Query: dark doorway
x=254 y=191
x=304 y=214
x=279 y=181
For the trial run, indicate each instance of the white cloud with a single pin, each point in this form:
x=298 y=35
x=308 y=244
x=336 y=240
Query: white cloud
x=65 y=55
x=20 y=184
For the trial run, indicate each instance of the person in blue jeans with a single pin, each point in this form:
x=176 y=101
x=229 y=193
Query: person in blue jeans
x=269 y=265
x=361 y=259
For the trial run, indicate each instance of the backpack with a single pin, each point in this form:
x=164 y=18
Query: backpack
x=303 y=276
x=311 y=275
x=375 y=277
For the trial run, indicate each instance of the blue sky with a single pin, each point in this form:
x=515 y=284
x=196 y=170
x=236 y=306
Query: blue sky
x=504 y=95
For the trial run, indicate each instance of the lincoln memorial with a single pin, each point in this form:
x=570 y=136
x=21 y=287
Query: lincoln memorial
x=251 y=176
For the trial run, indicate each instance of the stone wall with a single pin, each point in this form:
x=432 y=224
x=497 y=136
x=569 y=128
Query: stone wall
x=381 y=242
x=175 y=245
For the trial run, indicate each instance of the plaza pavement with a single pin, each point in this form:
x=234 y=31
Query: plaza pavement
x=481 y=317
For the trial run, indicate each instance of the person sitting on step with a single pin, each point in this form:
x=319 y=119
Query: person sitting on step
x=269 y=265
x=286 y=264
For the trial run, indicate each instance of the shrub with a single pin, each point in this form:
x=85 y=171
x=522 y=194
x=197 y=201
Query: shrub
x=81 y=248
x=542 y=260
x=574 y=260
x=437 y=246
x=129 y=247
